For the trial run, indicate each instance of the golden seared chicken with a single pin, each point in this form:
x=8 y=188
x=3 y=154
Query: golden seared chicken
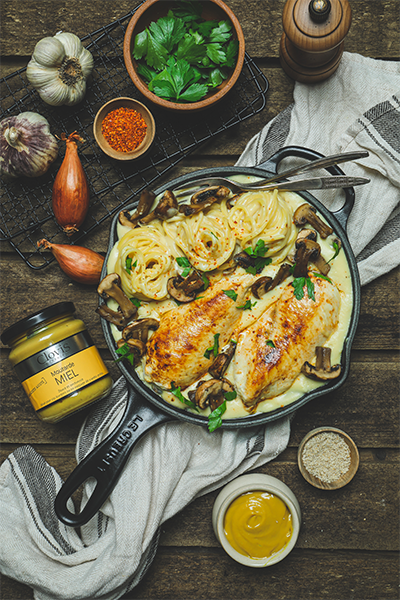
x=295 y=328
x=175 y=352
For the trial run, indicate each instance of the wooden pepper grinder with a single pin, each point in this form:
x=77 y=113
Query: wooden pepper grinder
x=312 y=43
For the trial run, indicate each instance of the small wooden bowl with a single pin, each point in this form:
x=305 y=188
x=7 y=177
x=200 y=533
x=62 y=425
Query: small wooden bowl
x=344 y=479
x=126 y=103
x=153 y=10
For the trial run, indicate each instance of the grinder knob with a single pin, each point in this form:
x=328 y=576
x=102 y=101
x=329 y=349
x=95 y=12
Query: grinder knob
x=312 y=41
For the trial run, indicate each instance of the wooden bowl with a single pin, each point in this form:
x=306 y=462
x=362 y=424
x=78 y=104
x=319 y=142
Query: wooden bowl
x=343 y=479
x=153 y=10
x=126 y=103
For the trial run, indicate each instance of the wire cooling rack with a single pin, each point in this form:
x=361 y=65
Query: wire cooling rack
x=26 y=214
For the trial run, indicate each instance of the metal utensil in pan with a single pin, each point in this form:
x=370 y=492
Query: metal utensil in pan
x=146 y=409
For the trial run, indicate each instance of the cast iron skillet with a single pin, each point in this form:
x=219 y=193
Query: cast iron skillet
x=145 y=409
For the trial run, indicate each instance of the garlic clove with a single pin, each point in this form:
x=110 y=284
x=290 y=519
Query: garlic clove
x=39 y=75
x=55 y=93
x=49 y=52
x=71 y=43
x=76 y=92
x=86 y=62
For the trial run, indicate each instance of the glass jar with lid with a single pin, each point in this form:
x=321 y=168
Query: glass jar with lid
x=56 y=361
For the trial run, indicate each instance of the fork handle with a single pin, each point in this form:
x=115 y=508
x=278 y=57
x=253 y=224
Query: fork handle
x=272 y=163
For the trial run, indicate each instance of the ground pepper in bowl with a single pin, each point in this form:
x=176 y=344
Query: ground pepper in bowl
x=124 y=129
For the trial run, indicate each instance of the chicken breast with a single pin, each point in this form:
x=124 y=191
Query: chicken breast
x=295 y=328
x=175 y=352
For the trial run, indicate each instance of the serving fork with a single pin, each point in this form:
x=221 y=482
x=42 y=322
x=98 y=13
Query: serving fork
x=334 y=181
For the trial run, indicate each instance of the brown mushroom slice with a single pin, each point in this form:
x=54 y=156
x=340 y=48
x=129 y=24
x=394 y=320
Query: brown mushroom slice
x=184 y=289
x=266 y=284
x=323 y=371
x=304 y=234
x=306 y=213
x=204 y=199
x=139 y=329
x=221 y=362
x=261 y=287
x=110 y=287
x=143 y=208
x=112 y=316
x=211 y=393
x=165 y=209
x=309 y=251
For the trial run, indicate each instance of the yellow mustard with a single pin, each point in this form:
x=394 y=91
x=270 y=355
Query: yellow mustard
x=56 y=361
x=258 y=524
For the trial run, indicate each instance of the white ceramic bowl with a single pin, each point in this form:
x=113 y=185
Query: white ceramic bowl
x=251 y=483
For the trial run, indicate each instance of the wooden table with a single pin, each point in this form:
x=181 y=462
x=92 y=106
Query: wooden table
x=348 y=544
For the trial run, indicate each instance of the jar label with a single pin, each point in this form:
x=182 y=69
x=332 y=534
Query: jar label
x=64 y=378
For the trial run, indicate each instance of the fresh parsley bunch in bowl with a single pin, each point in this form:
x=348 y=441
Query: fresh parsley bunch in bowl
x=184 y=54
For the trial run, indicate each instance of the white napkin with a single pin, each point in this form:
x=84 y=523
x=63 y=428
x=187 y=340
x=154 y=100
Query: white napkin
x=171 y=466
x=357 y=108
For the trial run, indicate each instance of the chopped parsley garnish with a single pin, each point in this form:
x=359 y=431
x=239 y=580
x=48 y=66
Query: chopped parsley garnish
x=181 y=57
x=248 y=306
x=270 y=343
x=177 y=392
x=316 y=274
x=215 y=418
x=135 y=302
x=298 y=284
x=336 y=248
x=125 y=352
x=184 y=263
x=258 y=254
x=129 y=265
x=231 y=294
x=214 y=348
x=206 y=281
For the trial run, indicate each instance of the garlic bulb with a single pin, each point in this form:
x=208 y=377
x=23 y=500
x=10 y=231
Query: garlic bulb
x=59 y=68
x=27 y=148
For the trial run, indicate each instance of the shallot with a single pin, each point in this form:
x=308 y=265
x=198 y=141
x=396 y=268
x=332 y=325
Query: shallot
x=80 y=264
x=70 y=199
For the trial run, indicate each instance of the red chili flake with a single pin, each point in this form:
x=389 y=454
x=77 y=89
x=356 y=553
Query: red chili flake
x=124 y=129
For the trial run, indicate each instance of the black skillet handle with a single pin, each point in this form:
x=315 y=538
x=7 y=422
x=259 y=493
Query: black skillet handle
x=272 y=163
x=106 y=461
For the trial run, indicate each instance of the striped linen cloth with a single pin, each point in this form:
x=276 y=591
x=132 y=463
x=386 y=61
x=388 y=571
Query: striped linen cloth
x=358 y=108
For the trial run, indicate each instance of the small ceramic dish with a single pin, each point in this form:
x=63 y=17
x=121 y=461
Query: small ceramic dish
x=255 y=482
x=151 y=11
x=129 y=103
x=327 y=458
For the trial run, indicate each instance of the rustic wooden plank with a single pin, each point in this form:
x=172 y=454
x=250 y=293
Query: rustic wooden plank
x=200 y=575
x=374 y=29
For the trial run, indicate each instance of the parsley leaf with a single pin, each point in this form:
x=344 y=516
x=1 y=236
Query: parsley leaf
x=128 y=264
x=206 y=281
x=183 y=261
x=270 y=343
x=214 y=348
x=135 y=302
x=336 y=248
x=125 y=352
x=231 y=294
x=258 y=254
x=177 y=392
x=222 y=33
x=248 y=306
x=167 y=31
x=298 y=284
x=316 y=274
x=214 y=419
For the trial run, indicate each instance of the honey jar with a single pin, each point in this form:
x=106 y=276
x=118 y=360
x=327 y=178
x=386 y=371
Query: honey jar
x=56 y=362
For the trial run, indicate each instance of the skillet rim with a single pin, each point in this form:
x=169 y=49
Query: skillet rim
x=258 y=418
